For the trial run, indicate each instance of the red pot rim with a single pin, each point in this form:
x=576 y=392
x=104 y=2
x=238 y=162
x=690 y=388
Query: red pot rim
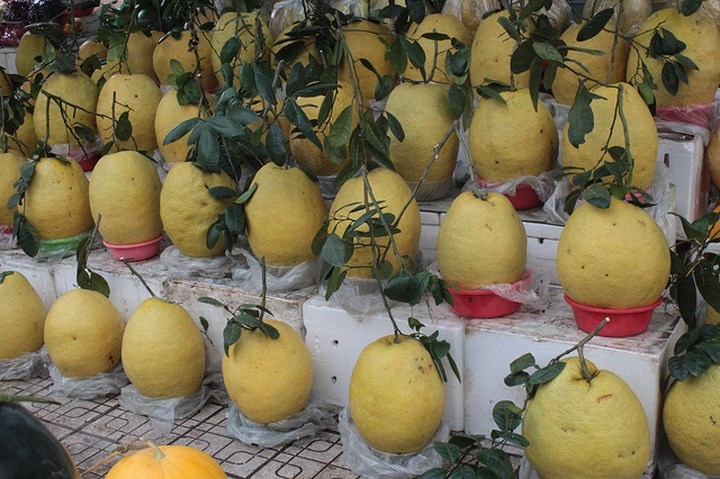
x=134 y=245
x=593 y=309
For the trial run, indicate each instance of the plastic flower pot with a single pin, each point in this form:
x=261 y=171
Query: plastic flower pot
x=135 y=252
x=525 y=197
x=623 y=322
x=60 y=246
x=481 y=303
x=6 y=229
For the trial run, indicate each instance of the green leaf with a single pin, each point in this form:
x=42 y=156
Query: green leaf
x=580 y=117
x=234 y=218
x=395 y=126
x=519 y=378
x=415 y=53
x=507 y=415
x=686 y=298
x=525 y=361
x=707 y=279
x=512 y=438
x=497 y=461
x=509 y=27
x=275 y=144
x=247 y=194
x=416 y=10
x=522 y=57
x=340 y=130
x=263 y=82
x=396 y=55
x=222 y=192
x=224 y=126
x=404 y=288
x=123 y=127
x=688 y=7
x=230 y=50
x=547 y=52
x=670 y=79
x=297 y=117
x=335 y=251
x=686 y=62
x=180 y=130
x=436 y=473
x=334 y=281
x=677 y=367
x=26 y=234
x=697 y=362
x=546 y=374
x=597 y=195
x=449 y=452
x=210 y=301
x=595 y=25
x=712 y=349
x=231 y=335
x=464 y=472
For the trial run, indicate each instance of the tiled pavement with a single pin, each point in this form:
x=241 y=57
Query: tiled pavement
x=93 y=430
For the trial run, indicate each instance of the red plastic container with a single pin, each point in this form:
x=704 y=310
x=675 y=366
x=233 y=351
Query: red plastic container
x=135 y=252
x=525 y=197
x=623 y=322
x=481 y=303
x=6 y=229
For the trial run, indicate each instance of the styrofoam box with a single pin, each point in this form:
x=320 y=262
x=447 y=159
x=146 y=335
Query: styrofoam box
x=683 y=155
x=7 y=59
x=492 y=344
x=336 y=337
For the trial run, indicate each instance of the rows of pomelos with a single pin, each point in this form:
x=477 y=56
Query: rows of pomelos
x=377 y=105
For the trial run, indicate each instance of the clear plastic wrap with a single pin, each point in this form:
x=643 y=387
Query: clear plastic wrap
x=163 y=412
x=7 y=241
x=369 y=462
x=470 y=11
x=179 y=266
x=247 y=272
x=100 y=385
x=27 y=366
x=431 y=190
x=543 y=184
x=307 y=423
x=358 y=296
x=711 y=8
x=693 y=120
x=285 y=13
x=354 y=7
x=560 y=14
x=634 y=13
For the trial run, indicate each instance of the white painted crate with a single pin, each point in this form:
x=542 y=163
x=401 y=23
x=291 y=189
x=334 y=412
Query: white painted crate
x=683 y=155
x=336 y=338
x=492 y=344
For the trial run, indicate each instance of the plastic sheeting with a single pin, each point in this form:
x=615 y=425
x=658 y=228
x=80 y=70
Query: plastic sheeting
x=247 y=272
x=27 y=366
x=179 y=266
x=100 y=385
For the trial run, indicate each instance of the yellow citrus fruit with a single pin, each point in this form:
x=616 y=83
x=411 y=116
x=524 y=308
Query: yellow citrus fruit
x=178 y=49
x=436 y=50
x=253 y=44
x=284 y=215
x=608 y=129
x=392 y=194
x=30 y=47
x=607 y=67
x=690 y=417
x=24 y=140
x=187 y=226
x=10 y=164
x=596 y=429
x=102 y=74
x=139 y=54
x=389 y=377
x=712 y=316
x=712 y=156
x=91 y=47
x=702 y=41
x=125 y=195
x=490 y=54
x=616 y=257
x=5 y=83
x=169 y=114
x=139 y=96
x=22 y=316
x=283 y=39
x=416 y=106
x=265 y=390
x=364 y=39
x=57 y=201
x=163 y=351
x=481 y=241
x=304 y=151
x=534 y=146
x=79 y=99
x=632 y=15
x=83 y=333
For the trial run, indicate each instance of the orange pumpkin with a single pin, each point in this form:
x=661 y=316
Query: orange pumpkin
x=167 y=462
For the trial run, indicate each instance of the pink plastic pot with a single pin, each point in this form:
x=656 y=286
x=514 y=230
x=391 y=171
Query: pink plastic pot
x=525 y=197
x=481 y=303
x=135 y=252
x=623 y=322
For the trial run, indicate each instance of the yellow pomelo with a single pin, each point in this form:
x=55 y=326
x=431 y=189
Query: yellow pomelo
x=632 y=15
x=168 y=115
x=283 y=39
x=125 y=195
x=83 y=333
x=89 y=48
x=364 y=39
x=265 y=390
x=593 y=430
x=712 y=156
x=22 y=316
x=30 y=47
x=389 y=378
x=481 y=241
x=284 y=215
x=490 y=54
x=170 y=48
x=163 y=351
x=139 y=96
x=608 y=67
x=392 y=194
x=690 y=417
x=702 y=40
x=254 y=44
x=5 y=83
x=712 y=316
x=79 y=99
x=187 y=209
x=139 y=54
x=436 y=50
x=416 y=106
x=57 y=202
x=24 y=140
x=10 y=164
x=608 y=130
x=512 y=139
x=616 y=257
x=304 y=151
x=714 y=232
x=103 y=74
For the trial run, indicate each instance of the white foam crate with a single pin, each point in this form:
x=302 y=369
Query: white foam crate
x=683 y=155
x=492 y=344
x=7 y=59
x=336 y=338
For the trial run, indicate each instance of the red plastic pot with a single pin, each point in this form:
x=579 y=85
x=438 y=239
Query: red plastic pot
x=525 y=197
x=623 y=322
x=135 y=252
x=481 y=303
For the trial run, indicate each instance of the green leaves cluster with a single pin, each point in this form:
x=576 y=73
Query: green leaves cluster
x=246 y=317
x=231 y=221
x=666 y=47
x=695 y=352
x=436 y=347
x=85 y=277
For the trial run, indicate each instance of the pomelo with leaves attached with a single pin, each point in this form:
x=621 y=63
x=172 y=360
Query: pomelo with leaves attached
x=170 y=113
x=436 y=50
x=22 y=316
x=9 y=173
x=366 y=40
x=178 y=49
x=249 y=44
x=31 y=46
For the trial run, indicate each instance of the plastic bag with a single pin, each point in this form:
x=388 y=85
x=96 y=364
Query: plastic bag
x=354 y=7
x=87 y=155
x=470 y=11
x=284 y=14
x=368 y=462
x=358 y=296
x=27 y=366
x=307 y=423
x=692 y=120
x=543 y=184
x=711 y=8
x=431 y=190
x=526 y=470
x=7 y=241
x=634 y=13
x=670 y=467
x=100 y=385
x=179 y=266
x=246 y=270
x=163 y=412
x=53 y=250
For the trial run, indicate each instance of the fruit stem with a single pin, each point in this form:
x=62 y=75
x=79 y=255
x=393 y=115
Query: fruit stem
x=579 y=348
x=159 y=455
x=142 y=280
